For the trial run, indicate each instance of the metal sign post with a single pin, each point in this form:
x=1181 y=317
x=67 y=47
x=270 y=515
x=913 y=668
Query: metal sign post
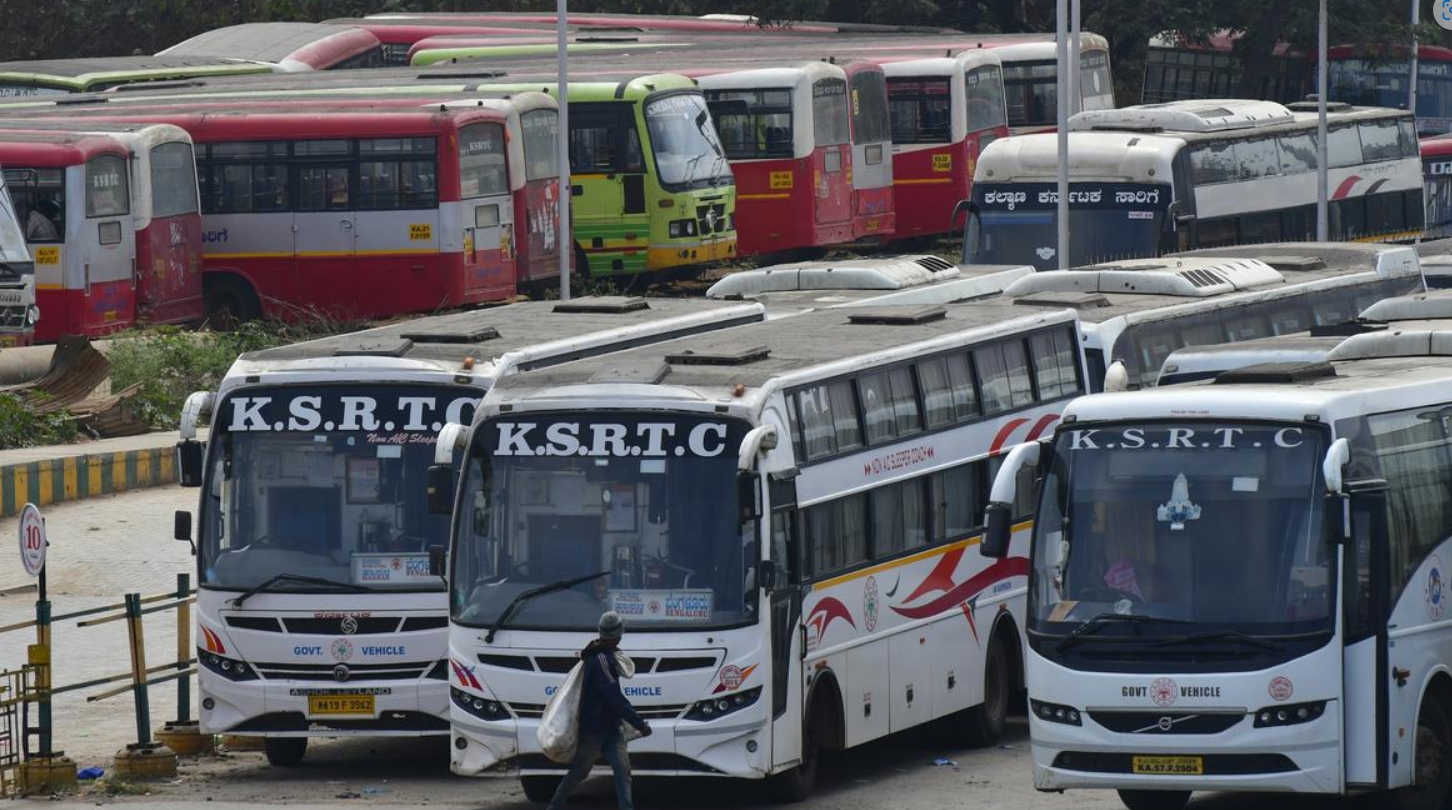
x=562 y=146
x=33 y=545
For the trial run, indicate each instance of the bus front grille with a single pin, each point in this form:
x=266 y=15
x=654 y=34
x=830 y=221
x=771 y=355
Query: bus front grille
x=1215 y=764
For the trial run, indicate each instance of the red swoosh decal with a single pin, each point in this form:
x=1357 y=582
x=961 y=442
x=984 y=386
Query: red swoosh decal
x=1040 y=426
x=1000 y=570
x=827 y=610
x=1345 y=187
x=1003 y=434
x=940 y=578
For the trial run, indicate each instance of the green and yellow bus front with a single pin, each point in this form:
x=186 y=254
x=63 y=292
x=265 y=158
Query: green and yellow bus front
x=652 y=188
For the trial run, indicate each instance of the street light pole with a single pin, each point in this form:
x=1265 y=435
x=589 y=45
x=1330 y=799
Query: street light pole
x=1062 y=215
x=565 y=244
x=1321 y=211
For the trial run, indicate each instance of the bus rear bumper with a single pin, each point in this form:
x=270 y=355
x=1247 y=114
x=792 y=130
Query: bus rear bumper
x=1294 y=758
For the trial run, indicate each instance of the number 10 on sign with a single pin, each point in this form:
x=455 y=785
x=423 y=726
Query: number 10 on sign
x=32 y=540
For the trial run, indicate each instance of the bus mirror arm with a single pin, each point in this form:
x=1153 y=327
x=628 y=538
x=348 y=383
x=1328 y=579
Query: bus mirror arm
x=998 y=517
x=1337 y=456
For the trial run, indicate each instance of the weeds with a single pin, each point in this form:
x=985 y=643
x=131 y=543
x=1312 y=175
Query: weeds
x=170 y=363
x=19 y=427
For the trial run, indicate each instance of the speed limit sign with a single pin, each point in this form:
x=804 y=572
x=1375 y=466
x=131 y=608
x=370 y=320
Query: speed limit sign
x=32 y=540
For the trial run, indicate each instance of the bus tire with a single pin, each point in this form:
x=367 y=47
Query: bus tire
x=796 y=785
x=983 y=724
x=1154 y=799
x=285 y=752
x=539 y=789
x=1432 y=765
x=229 y=301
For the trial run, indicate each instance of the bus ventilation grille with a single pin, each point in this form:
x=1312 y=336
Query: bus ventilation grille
x=935 y=264
x=379 y=348
x=708 y=358
x=897 y=316
x=461 y=337
x=1276 y=373
x=607 y=304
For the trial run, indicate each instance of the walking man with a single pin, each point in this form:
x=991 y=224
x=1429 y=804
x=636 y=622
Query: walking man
x=603 y=708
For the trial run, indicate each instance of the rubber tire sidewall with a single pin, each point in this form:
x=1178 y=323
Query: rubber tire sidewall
x=285 y=752
x=1412 y=798
x=983 y=724
x=539 y=789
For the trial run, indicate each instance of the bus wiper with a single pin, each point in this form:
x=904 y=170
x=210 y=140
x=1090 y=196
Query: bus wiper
x=266 y=585
x=524 y=596
x=1222 y=635
x=1103 y=620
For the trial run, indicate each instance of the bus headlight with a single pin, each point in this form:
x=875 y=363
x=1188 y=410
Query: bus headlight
x=32 y=315
x=1294 y=714
x=229 y=668
x=481 y=707
x=712 y=708
x=682 y=227
x=1055 y=713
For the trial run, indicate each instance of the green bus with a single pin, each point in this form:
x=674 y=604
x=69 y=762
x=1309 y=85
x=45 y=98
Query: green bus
x=47 y=77
x=652 y=189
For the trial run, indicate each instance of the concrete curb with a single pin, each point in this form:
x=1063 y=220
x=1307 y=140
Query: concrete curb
x=84 y=475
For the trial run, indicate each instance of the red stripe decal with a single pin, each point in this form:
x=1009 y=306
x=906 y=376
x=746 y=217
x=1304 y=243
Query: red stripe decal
x=972 y=622
x=999 y=571
x=1003 y=434
x=1040 y=426
x=1345 y=187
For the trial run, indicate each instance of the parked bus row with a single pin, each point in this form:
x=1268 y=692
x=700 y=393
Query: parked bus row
x=816 y=516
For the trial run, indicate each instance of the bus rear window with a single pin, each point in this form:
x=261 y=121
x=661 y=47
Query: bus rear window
x=753 y=123
x=40 y=202
x=921 y=110
x=985 y=98
x=540 y=129
x=871 y=122
x=482 y=168
x=829 y=112
x=108 y=194
x=173 y=180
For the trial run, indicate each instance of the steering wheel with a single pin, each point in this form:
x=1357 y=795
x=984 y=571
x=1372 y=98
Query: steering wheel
x=1107 y=594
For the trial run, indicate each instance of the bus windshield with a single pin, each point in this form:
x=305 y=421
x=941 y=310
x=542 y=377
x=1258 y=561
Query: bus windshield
x=687 y=152
x=1217 y=525
x=1109 y=221
x=646 y=502
x=12 y=238
x=326 y=482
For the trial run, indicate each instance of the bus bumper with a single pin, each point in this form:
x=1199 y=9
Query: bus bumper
x=279 y=708
x=667 y=256
x=737 y=745
x=1304 y=758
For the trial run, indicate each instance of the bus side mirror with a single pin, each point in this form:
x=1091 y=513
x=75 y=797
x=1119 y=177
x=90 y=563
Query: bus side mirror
x=436 y=561
x=997 y=530
x=1338 y=518
x=189 y=462
x=766 y=575
x=748 y=495
x=181 y=527
x=441 y=489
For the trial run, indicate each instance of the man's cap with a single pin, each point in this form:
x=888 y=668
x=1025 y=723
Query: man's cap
x=611 y=625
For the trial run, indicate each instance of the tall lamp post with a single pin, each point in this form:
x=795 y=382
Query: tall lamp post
x=566 y=241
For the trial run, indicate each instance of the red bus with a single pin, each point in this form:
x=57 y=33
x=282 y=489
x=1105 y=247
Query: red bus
x=944 y=112
x=73 y=196
x=354 y=208
x=291 y=46
x=1437 y=189
x=399 y=37
x=786 y=132
x=874 y=215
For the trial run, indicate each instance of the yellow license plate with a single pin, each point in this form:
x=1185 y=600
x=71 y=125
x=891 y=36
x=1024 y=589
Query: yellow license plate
x=1169 y=766
x=334 y=705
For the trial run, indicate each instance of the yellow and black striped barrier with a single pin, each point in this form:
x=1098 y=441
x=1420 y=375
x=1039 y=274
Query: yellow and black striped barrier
x=72 y=478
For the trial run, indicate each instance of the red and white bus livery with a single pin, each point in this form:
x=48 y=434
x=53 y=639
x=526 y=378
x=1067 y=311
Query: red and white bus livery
x=944 y=112
x=874 y=215
x=787 y=135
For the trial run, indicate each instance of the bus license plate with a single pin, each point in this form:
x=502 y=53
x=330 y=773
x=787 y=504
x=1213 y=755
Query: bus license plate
x=1170 y=766
x=334 y=705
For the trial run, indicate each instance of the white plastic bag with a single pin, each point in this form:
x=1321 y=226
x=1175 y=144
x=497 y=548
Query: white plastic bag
x=559 y=726
x=627 y=670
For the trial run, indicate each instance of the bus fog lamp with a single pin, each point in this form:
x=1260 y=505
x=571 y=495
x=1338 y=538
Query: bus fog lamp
x=461 y=743
x=209 y=704
x=751 y=746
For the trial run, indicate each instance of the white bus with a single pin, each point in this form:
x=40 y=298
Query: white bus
x=1159 y=178
x=1242 y=585
x=1137 y=312
x=316 y=611
x=788 y=288
x=783 y=513
x=1202 y=362
x=18 y=313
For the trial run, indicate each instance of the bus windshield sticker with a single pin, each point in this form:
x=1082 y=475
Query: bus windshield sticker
x=1179 y=508
x=392 y=569
x=665 y=606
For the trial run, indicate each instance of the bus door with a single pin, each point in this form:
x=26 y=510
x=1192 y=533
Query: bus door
x=607 y=171
x=168 y=249
x=326 y=227
x=108 y=247
x=831 y=152
x=1365 y=711
x=786 y=628
x=487 y=211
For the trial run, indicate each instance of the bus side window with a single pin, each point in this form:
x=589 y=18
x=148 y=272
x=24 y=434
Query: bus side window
x=783 y=546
